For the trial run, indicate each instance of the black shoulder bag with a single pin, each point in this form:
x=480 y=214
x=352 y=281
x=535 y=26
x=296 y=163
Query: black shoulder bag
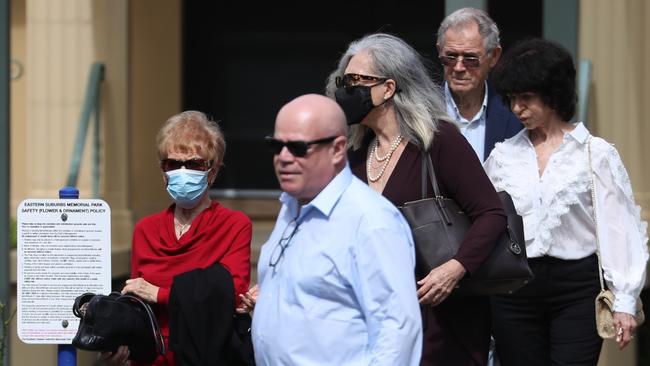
x=109 y=321
x=439 y=226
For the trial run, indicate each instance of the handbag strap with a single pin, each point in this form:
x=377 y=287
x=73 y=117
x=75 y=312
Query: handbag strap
x=427 y=170
x=79 y=301
x=593 y=206
x=423 y=182
x=160 y=343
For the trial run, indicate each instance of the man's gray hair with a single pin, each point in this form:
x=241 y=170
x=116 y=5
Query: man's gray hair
x=463 y=17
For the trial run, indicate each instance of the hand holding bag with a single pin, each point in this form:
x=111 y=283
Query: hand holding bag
x=439 y=227
x=605 y=299
x=109 y=321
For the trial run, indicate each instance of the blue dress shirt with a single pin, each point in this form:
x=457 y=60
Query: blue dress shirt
x=343 y=291
x=474 y=130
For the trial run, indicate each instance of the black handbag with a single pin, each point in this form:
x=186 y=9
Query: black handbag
x=439 y=226
x=109 y=321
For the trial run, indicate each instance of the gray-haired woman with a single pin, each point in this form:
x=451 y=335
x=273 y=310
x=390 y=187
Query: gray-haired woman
x=396 y=111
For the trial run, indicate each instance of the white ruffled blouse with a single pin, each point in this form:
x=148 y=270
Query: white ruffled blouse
x=557 y=207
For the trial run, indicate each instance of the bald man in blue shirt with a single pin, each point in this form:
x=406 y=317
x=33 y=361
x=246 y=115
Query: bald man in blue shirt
x=336 y=277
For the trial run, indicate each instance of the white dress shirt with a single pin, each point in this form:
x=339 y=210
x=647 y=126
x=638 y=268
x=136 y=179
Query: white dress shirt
x=557 y=207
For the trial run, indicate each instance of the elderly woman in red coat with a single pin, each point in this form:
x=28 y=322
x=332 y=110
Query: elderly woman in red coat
x=194 y=232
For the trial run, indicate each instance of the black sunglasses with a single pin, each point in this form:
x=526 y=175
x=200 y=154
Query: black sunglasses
x=350 y=80
x=468 y=61
x=192 y=164
x=296 y=148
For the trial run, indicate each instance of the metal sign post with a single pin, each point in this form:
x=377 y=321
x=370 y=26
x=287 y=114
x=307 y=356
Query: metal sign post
x=66 y=353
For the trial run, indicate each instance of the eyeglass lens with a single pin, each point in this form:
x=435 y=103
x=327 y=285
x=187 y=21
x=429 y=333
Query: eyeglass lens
x=192 y=164
x=452 y=60
x=283 y=243
x=349 y=80
x=296 y=148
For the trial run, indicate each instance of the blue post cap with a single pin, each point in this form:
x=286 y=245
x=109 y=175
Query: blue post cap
x=68 y=192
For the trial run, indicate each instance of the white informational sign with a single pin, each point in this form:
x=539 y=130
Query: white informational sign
x=64 y=250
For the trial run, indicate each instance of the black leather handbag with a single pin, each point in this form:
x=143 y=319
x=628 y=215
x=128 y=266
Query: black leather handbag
x=109 y=321
x=439 y=226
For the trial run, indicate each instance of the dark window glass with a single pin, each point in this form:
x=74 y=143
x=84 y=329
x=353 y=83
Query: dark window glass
x=242 y=61
x=517 y=19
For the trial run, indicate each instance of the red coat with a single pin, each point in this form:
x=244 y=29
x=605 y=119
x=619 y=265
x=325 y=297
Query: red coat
x=217 y=234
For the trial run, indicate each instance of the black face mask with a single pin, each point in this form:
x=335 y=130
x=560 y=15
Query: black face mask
x=355 y=101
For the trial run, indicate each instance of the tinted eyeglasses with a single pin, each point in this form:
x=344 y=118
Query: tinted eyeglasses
x=350 y=80
x=192 y=164
x=297 y=148
x=468 y=61
x=283 y=244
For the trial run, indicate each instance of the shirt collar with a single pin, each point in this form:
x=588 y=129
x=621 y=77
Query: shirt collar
x=325 y=200
x=452 y=108
x=579 y=133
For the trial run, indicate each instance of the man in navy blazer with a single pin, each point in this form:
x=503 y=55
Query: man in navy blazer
x=469 y=47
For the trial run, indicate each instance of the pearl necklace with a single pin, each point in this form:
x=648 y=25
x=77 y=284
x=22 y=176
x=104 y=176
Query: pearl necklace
x=385 y=159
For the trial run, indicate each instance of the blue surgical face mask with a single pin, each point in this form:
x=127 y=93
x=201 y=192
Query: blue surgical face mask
x=186 y=186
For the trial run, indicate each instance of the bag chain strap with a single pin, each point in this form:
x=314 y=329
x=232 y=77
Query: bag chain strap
x=593 y=206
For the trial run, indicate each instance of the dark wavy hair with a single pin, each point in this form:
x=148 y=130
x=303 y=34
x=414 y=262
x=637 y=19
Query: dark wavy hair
x=540 y=66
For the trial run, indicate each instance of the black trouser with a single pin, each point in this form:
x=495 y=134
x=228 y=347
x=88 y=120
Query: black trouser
x=550 y=321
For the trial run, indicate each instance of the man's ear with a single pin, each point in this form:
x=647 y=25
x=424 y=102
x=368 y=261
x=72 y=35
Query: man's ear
x=340 y=145
x=496 y=54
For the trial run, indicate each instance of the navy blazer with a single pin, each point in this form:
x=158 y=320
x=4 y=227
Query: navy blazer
x=500 y=122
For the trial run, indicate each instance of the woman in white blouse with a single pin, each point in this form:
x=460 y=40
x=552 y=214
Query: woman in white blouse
x=547 y=170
